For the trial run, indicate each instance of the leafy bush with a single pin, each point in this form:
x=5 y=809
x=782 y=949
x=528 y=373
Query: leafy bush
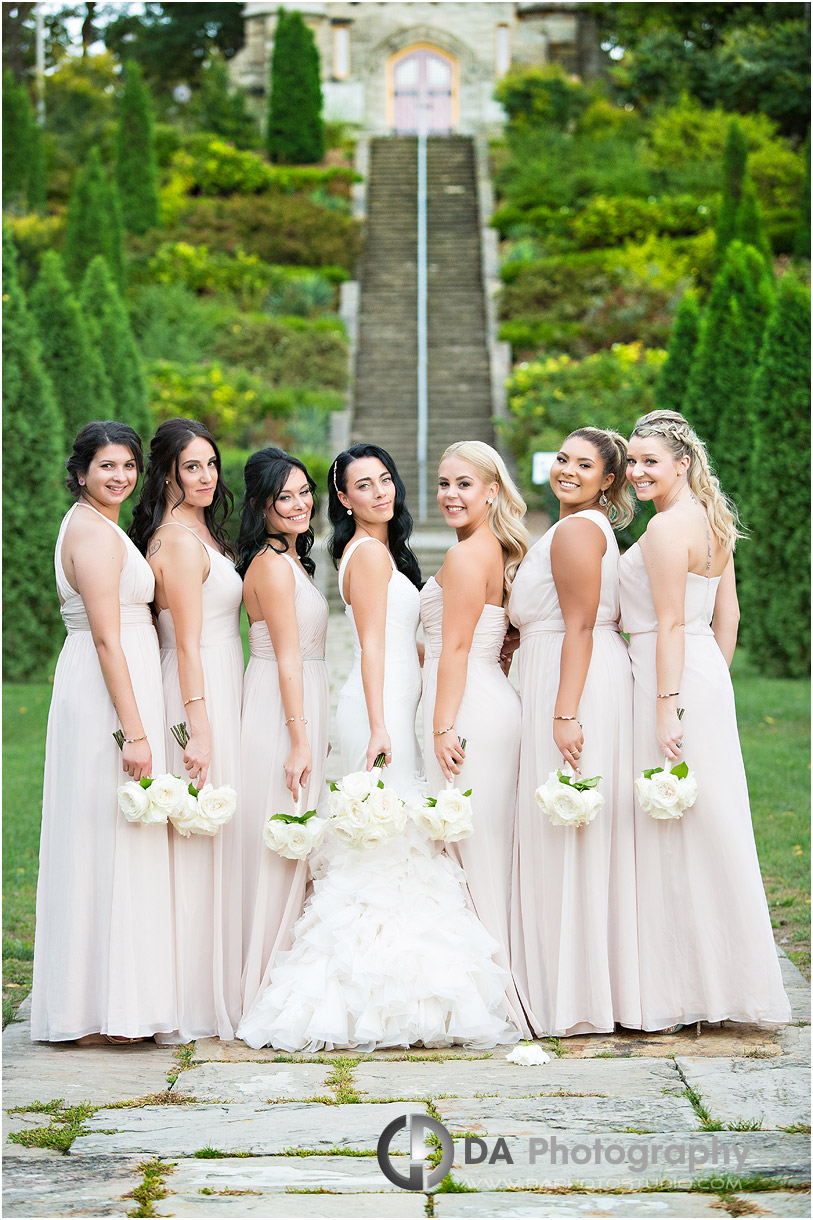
x=171 y=322
x=607 y=221
x=286 y=351
x=305 y=295
x=94 y=224
x=542 y=96
x=283 y=229
x=236 y=406
x=208 y=165
x=294 y=130
x=33 y=235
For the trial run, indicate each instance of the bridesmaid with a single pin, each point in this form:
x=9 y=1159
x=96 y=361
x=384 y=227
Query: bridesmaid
x=466 y=694
x=573 y=922
x=286 y=705
x=102 y=958
x=178 y=523
x=706 y=947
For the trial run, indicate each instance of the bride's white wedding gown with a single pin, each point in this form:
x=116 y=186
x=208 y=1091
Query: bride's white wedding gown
x=386 y=952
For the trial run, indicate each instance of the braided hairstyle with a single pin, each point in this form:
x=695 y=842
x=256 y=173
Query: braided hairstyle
x=681 y=440
x=612 y=449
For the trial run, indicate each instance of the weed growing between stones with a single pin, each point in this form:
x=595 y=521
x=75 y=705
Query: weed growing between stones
x=207 y=1190
x=151 y=1189
x=606 y=1055
x=330 y=1152
x=340 y=1081
x=739 y=1207
x=797 y=1129
x=447 y=1185
x=62 y=1130
x=555 y=1047
x=745 y=1124
x=756 y=1052
x=707 y=1123
x=311 y=1190
x=210 y=1154
x=165 y=1098
x=184 y=1059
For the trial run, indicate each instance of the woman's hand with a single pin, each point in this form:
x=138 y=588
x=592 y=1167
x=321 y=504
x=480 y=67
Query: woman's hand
x=298 y=766
x=197 y=756
x=136 y=759
x=509 y=646
x=450 y=754
x=668 y=731
x=569 y=740
x=379 y=744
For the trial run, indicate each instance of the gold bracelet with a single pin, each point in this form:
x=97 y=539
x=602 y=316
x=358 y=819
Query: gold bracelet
x=565 y=717
x=194 y=699
x=291 y=719
x=440 y=732
x=672 y=695
x=128 y=741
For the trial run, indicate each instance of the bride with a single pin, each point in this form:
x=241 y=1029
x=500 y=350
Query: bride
x=386 y=952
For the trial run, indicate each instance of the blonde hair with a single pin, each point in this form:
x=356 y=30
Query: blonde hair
x=681 y=440
x=506 y=513
x=612 y=449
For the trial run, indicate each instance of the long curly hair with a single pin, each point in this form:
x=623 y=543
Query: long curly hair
x=344 y=526
x=266 y=474
x=612 y=449
x=93 y=437
x=164 y=460
x=681 y=439
x=506 y=513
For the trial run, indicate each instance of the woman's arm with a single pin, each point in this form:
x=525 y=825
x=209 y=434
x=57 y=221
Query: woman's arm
x=98 y=556
x=181 y=565
x=274 y=585
x=577 y=549
x=464 y=595
x=666 y=555
x=366 y=581
x=726 y=618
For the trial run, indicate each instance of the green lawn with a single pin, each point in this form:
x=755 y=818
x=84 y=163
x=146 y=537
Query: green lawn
x=774 y=728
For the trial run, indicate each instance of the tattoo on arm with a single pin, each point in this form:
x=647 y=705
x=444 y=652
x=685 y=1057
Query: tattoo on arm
x=154 y=547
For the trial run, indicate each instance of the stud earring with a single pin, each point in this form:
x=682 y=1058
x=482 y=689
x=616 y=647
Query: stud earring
x=603 y=501
x=489 y=499
x=350 y=512
x=81 y=482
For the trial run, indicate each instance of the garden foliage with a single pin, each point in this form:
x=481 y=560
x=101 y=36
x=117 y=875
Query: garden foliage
x=670 y=388
x=112 y=336
x=136 y=167
x=294 y=133
x=94 y=224
x=34 y=498
x=24 y=184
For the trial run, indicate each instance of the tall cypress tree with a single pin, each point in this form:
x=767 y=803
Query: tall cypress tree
x=112 y=336
x=670 y=388
x=736 y=355
x=735 y=156
x=223 y=110
x=79 y=379
x=94 y=222
x=801 y=241
x=744 y=277
x=33 y=490
x=37 y=186
x=748 y=227
x=295 y=133
x=18 y=121
x=776 y=589
x=136 y=164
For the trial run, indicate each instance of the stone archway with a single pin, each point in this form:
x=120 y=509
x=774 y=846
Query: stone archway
x=422 y=91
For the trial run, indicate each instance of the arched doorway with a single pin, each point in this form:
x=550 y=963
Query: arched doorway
x=422 y=91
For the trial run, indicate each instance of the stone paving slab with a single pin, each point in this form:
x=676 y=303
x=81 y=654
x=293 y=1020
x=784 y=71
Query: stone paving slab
x=247 y=1082
x=779 y=1203
x=777 y=1092
x=611 y=1077
x=335 y=1207
x=727 y=1039
x=80 y=1186
x=25 y=1122
x=795 y=1040
x=518 y=1204
x=211 y=1050
x=675 y=1159
x=172 y=1131
x=351 y=1175
x=518 y=1116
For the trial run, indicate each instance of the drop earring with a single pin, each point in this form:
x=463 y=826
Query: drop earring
x=603 y=501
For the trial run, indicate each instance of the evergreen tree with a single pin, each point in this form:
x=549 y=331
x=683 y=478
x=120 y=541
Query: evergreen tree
x=670 y=388
x=79 y=380
x=735 y=156
x=295 y=132
x=136 y=165
x=744 y=277
x=776 y=589
x=37 y=186
x=736 y=355
x=33 y=490
x=801 y=242
x=223 y=110
x=94 y=222
x=18 y=121
x=112 y=336
x=748 y=226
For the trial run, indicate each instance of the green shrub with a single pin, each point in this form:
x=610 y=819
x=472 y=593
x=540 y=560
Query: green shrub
x=542 y=96
x=304 y=296
x=748 y=227
x=167 y=143
x=776 y=588
x=670 y=388
x=221 y=109
x=294 y=132
x=607 y=221
x=109 y=328
x=34 y=498
x=286 y=351
x=33 y=235
x=136 y=165
x=19 y=129
x=94 y=223
x=171 y=322
x=735 y=156
x=280 y=229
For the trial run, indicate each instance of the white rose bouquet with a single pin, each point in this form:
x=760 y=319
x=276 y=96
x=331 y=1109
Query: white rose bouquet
x=363 y=811
x=447 y=817
x=152 y=801
x=166 y=797
x=569 y=801
x=294 y=835
x=666 y=793
x=528 y=1055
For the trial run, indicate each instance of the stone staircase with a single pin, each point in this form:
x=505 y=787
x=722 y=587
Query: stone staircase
x=386 y=408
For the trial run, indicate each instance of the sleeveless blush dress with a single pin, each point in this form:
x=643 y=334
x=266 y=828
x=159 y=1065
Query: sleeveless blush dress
x=103 y=959
x=706 y=947
x=574 y=940
x=274 y=888
x=207 y=871
x=489 y=720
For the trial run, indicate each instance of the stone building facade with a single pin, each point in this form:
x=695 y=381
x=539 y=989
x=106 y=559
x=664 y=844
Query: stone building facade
x=393 y=67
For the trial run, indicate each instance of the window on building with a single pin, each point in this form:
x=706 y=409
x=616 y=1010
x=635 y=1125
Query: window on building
x=341 y=52
x=503 y=51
